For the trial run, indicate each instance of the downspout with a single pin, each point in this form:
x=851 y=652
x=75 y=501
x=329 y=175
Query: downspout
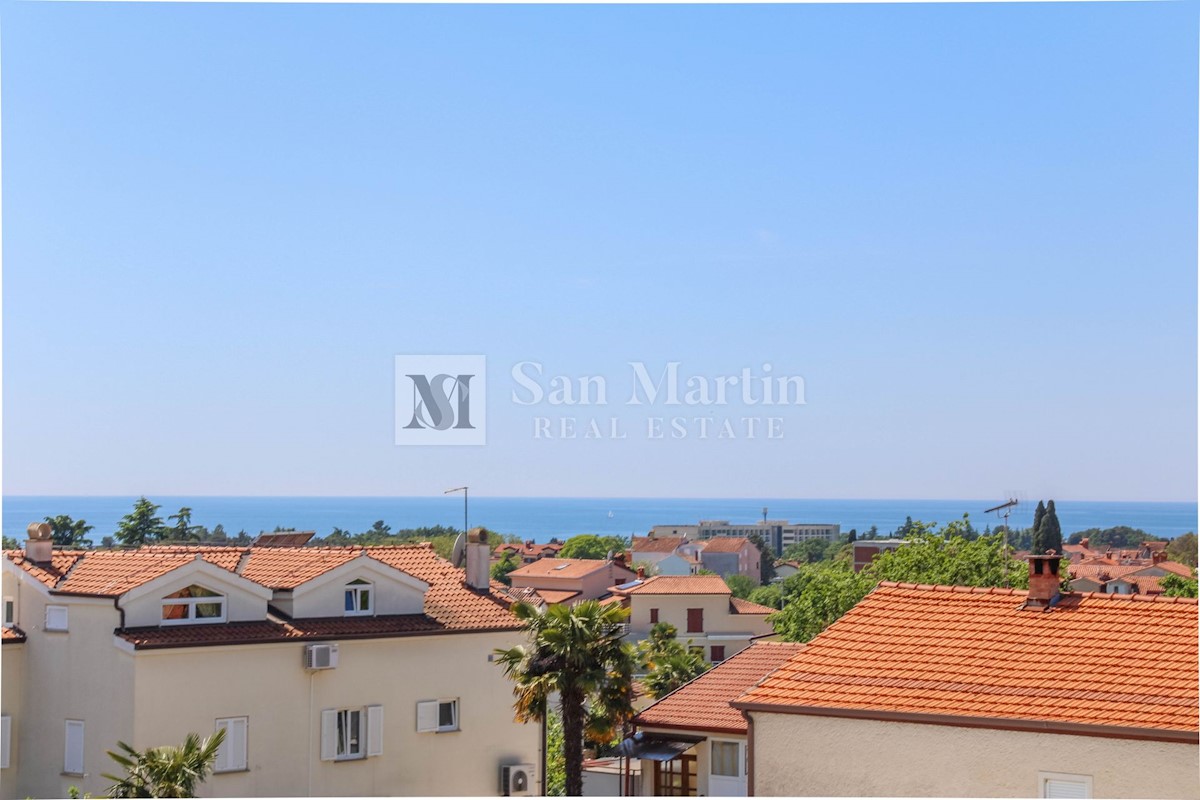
x=311 y=675
x=121 y=611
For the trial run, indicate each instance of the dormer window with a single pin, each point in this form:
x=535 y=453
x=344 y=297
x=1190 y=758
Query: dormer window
x=358 y=598
x=193 y=605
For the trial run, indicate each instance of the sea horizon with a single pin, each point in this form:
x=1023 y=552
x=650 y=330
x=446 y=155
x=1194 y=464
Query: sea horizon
x=542 y=518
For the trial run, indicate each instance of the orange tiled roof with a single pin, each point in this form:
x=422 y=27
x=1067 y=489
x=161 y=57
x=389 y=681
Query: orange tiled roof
x=975 y=653
x=114 y=572
x=13 y=635
x=726 y=544
x=552 y=596
x=50 y=574
x=564 y=567
x=279 y=628
x=657 y=544
x=1174 y=566
x=682 y=584
x=739 y=606
x=703 y=704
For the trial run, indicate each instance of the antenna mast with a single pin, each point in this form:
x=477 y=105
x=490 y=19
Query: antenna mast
x=1007 y=508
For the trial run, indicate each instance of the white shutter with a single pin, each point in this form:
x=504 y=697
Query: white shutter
x=329 y=735
x=231 y=756
x=56 y=618
x=427 y=716
x=1065 y=790
x=73 y=748
x=374 y=730
x=5 y=741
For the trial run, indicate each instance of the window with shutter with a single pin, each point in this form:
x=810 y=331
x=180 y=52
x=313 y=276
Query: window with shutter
x=695 y=620
x=653 y=616
x=437 y=716
x=374 y=730
x=5 y=741
x=231 y=756
x=1065 y=786
x=351 y=733
x=73 y=748
x=56 y=618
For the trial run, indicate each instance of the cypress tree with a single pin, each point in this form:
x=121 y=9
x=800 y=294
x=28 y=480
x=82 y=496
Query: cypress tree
x=1039 y=516
x=1051 y=531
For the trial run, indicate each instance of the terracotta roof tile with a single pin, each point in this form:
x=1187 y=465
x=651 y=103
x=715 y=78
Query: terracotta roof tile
x=977 y=653
x=280 y=629
x=13 y=635
x=657 y=544
x=114 y=572
x=703 y=704
x=726 y=544
x=682 y=584
x=50 y=574
x=565 y=568
x=739 y=606
x=552 y=597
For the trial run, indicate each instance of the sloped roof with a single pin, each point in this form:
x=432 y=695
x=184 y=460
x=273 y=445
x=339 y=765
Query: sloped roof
x=703 y=703
x=564 y=567
x=681 y=584
x=739 y=606
x=13 y=635
x=50 y=574
x=726 y=544
x=111 y=573
x=959 y=653
x=657 y=544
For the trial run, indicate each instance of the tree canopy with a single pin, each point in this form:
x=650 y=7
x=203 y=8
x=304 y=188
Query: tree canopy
x=142 y=525
x=1183 y=549
x=741 y=585
x=668 y=663
x=590 y=545
x=164 y=771
x=1178 y=586
x=69 y=532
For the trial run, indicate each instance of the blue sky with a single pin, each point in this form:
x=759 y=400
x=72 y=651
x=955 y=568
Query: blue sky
x=971 y=229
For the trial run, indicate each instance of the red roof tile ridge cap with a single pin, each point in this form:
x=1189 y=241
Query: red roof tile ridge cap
x=945 y=587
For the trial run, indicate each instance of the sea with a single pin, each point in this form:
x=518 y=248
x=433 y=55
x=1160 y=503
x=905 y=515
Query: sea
x=543 y=518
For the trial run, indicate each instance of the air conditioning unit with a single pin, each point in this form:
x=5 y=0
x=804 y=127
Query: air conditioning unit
x=516 y=780
x=320 y=656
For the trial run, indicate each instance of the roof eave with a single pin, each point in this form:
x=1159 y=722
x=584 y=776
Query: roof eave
x=995 y=723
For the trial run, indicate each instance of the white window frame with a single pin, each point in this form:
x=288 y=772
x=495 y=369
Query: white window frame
x=231 y=756
x=190 y=604
x=1044 y=779
x=741 y=759
x=10 y=612
x=53 y=615
x=429 y=716
x=5 y=741
x=356 y=590
x=370 y=732
x=72 y=766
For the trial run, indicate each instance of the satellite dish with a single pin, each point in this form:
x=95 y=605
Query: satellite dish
x=40 y=531
x=460 y=550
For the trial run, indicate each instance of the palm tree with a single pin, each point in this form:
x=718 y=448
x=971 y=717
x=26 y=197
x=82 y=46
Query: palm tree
x=668 y=663
x=577 y=653
x=165 y=771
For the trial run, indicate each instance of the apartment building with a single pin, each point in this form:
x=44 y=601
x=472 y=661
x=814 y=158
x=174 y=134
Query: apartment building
x=570 y=580
x=333 y=670
x=675 y=555
x=777 y=533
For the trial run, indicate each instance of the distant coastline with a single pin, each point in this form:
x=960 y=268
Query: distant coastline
x=543 y=518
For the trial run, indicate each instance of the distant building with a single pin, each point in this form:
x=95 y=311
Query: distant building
x=776 y=533
x=529 y=551
x=867 y=551
x=676 y=555
x=571 y=580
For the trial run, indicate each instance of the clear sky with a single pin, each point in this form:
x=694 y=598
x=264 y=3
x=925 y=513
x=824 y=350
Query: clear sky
x=970 y=229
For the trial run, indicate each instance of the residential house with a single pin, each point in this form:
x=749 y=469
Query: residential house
x=993 y=693
x=528 y=551
x=666 y=555
x=777 y=533
x=732 y=555
x=786 y=569
x=692 y=742
x=1127 y=576
x=867 y=551
x=570 y=580
x=702 y=609
x=333 y=670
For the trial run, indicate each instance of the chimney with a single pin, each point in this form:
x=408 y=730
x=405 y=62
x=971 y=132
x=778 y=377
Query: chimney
x=478 y=560
x=1043 y=580
x=641 y=573
x=39 y=547
x=1084 y=542
x=619 y=559
x=1157 y=556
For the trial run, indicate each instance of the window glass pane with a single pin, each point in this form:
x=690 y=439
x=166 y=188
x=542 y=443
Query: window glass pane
x=208 y=610
x=349 y=599
x=725 y=759
x=354 y=726
x=175 y=611
x=446 y=715
x=342 y=743
x=364 y=596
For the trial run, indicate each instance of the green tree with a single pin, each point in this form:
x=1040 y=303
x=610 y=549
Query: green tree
x=556 y=768
x=218 y=533
x=766 y=558
x=504 y=566
x=69 y=532
x=952 y=560
x=1183 y=549
x=741 y=585
x=770 y=596
x=182 y=530
x=589 y=545
x=1119 y=537
x=809 y=552
x=1047 y=534
x=575 y=652
x=141 y=526
x=170 y=771
x=1178 y=586
x=10 y=543
x=1039 y=517
x=667 y=662
x=816 y=596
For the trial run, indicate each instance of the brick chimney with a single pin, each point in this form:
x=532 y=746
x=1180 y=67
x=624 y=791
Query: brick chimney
x=1084 y=542
x=641 y=573
x=1043 y=580
x=1157 y=556
x=619 y=559
x=478 y=560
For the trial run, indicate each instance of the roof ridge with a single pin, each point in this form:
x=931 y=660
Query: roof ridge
x=998 y=590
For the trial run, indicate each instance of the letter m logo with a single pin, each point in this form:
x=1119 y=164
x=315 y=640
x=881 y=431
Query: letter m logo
x=441 y=400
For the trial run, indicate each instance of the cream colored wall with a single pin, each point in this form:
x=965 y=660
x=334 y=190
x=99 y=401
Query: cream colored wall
x=268 y=684
x=73 y=675
x=717 y=619
x=12 y=692
x=702 y=753
x=827 y=756
x=240 y=605
x=328 y=599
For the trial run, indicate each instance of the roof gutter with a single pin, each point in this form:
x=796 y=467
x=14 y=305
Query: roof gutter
x=994 y=723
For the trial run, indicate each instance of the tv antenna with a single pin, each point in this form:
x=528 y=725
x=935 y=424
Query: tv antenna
x=1003 y=510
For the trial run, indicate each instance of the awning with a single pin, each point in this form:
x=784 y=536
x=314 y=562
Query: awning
x=657 y=747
